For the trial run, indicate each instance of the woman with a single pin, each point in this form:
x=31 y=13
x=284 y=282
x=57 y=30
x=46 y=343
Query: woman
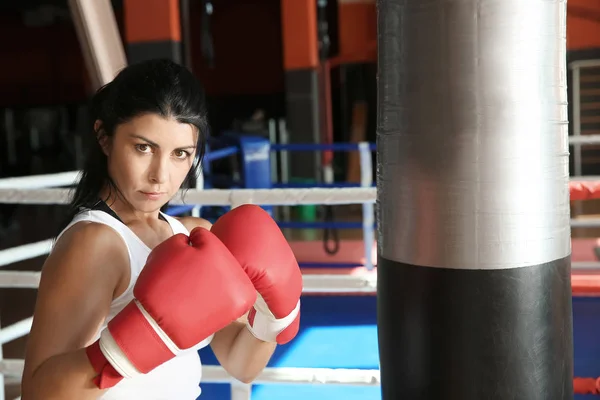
x=150 y=127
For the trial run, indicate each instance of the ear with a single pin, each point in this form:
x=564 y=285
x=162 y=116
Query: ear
x=101 y=137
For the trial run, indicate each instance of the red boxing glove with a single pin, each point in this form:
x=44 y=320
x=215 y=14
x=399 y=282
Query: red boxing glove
x=189 y=289
x=256 y=241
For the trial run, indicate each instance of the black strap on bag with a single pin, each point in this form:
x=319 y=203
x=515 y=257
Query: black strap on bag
x=331 y=237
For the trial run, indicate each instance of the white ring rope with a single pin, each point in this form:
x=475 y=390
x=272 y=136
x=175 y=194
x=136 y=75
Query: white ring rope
x=223 y=197
x=25 y=252
x=40 y=181
x=19 y=280
x=284 y=375
x=311 y=376
x=216 y=197
x=312 y=283
x=15 y=331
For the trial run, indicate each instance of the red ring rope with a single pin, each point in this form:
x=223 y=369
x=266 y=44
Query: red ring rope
x=586 y=385
x=584 y=190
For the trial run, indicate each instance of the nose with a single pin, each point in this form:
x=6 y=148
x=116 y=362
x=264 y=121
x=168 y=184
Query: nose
x=159 y=169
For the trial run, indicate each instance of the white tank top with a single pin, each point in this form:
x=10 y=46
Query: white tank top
x=178 y=378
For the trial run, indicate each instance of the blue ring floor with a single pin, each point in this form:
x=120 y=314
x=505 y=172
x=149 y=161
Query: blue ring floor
x=341 y=332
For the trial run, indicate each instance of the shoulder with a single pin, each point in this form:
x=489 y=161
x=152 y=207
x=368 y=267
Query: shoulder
x=194 y=222
x=87 y=249
x=91 y=236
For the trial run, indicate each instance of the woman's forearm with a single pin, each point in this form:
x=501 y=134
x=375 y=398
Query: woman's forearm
x=64 y=376
x=248 y=356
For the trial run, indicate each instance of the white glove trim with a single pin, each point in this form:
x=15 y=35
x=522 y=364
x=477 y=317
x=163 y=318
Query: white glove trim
x=115 y=356
x=265 y=326
x=163 y=336
x=118 y=359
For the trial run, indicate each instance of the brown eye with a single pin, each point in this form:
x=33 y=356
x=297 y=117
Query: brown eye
x=143 y=148
x=181 y=154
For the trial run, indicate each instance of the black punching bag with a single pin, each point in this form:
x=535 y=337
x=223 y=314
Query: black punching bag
x=474 y=288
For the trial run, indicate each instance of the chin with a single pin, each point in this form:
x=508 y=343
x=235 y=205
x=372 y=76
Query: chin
x=148 y=206
x=152 y=207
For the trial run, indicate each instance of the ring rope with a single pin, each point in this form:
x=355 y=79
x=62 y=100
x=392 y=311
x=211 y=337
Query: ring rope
x=363 y=283
x=19 y=280
x=579 y=190
x=25 y=252
x=287 y=375
x=15 y=331
x=216 y=197
x=40 y=181
x=38 y=190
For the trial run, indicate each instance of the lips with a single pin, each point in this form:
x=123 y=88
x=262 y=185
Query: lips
x=153 y=195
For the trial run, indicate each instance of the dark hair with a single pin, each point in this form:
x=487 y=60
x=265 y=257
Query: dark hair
x=156 y=86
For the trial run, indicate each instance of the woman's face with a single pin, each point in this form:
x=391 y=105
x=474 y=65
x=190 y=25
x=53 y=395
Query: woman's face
x=149 y=157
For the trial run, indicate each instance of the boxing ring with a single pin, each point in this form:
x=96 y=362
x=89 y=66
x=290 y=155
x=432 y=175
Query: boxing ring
x=335 y=355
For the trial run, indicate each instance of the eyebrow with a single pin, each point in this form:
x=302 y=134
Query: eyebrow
x=193 y=146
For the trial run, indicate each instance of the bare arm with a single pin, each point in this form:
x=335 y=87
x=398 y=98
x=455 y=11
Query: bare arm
x=85 y=271
x=241 y=354
x=62 y=376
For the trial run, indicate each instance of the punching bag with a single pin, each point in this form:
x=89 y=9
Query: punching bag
x=474 y=290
